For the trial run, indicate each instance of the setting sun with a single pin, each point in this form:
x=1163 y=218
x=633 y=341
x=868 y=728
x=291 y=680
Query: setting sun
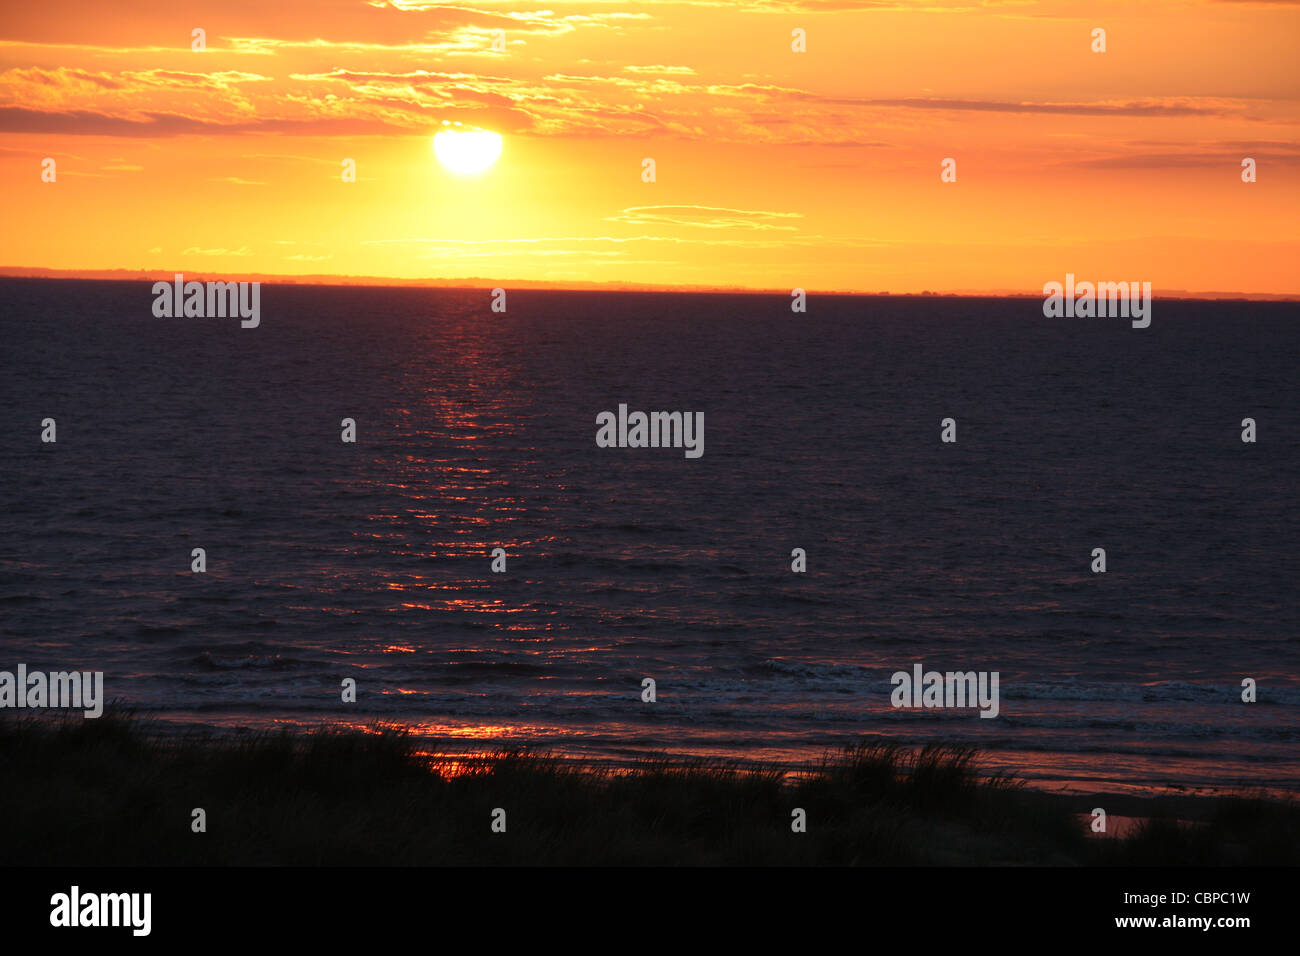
x=467 y=153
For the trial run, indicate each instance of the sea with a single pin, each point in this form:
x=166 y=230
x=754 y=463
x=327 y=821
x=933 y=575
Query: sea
x=475 y=430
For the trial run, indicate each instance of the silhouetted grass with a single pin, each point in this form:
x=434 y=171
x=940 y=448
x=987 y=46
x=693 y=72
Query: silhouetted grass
x=110 y=792
x=1245 y=829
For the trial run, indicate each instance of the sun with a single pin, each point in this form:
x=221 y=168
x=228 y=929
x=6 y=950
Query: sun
x=468 y=152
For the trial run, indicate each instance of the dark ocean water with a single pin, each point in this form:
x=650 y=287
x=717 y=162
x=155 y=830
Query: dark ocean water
x=477 y=430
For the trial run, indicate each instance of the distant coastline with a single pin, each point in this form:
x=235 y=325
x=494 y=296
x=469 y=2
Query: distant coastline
x=478 y=282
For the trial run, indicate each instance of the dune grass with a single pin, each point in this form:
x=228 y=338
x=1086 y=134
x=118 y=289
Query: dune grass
x=112 y=792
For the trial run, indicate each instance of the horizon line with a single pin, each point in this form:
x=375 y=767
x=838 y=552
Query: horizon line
x=477 y=283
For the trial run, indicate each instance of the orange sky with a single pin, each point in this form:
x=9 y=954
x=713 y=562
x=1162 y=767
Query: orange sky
x=775 y=169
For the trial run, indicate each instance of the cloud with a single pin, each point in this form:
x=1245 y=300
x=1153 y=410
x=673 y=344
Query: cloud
x=705 y=217
x=1135 y=108
x=221 y=79
x=196 y=251
x=450 y=243
x=17 y=119
x=388 y=67
x=664 y=70
x=1181 y=159
x=62 y=78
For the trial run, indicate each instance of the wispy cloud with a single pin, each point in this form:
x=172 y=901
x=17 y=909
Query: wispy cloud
x=705 y=217
x=196 y=251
